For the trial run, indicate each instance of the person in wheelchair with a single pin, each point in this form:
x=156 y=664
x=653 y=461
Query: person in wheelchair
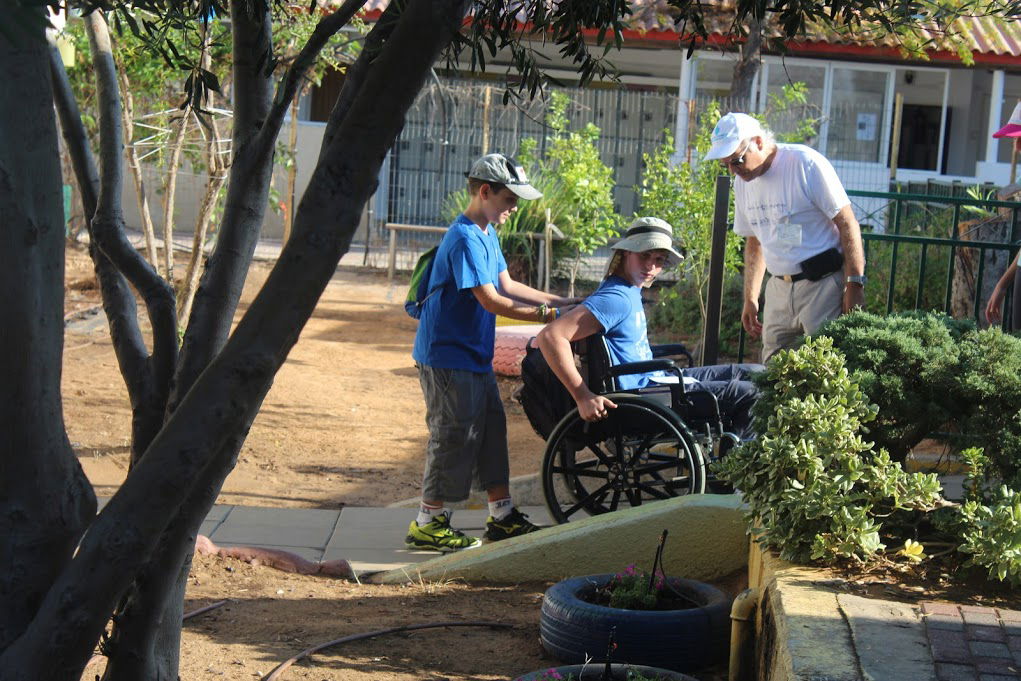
x=615 y=310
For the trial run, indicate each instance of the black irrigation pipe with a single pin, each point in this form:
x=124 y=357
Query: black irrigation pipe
x=279 y=669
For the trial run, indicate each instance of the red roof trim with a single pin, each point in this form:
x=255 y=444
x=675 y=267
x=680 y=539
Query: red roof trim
x=823 y=48
x=658 y=37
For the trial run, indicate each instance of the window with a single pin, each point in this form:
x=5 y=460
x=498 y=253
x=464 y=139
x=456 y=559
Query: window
x=856 y=115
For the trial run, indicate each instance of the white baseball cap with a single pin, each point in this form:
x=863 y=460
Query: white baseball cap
x=729 y=132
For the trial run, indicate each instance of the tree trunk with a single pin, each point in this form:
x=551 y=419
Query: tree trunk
x=180 y=128
x=128 y=114
x=202 y=436
x=748 y=65
x=45 y=500
x=216 y=168
x=147 y=377
x=292 y=170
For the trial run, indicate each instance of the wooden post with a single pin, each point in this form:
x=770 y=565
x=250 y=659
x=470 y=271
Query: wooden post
x=392 y=259
x=1013 y=160
x=547 y=249
x=486 y=94
x=691 y=126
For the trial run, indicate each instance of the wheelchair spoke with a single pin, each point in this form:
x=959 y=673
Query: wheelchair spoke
x=615 y=500
x=659 y=494
x=586 y=469
x=658 y=466
x=583 y=503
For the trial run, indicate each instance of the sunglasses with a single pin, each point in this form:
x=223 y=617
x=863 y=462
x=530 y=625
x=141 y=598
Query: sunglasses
x=739 y=161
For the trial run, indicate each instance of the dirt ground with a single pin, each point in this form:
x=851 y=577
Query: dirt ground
x=342 y=425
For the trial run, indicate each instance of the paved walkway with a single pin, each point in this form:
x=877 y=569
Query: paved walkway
x=370 y=539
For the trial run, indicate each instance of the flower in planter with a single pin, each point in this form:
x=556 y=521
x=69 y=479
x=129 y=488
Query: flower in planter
x=634 y=589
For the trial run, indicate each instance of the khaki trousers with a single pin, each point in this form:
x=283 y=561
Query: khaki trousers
x=796 y=309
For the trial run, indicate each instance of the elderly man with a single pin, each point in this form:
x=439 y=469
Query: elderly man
x=798 y=224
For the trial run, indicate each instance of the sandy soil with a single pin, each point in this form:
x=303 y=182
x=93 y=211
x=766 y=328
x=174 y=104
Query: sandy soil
x=343 y=424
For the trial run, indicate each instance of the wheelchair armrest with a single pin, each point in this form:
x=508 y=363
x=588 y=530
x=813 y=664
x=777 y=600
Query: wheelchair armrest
x=673 y=350
x=643 y=367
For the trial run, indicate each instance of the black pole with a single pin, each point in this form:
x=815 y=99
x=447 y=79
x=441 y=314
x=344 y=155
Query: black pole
x=714 y=297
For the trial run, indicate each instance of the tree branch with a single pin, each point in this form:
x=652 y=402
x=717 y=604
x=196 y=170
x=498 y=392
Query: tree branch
x=245 y=207
x=148 y=379
x=325 y=29
x=374 y=42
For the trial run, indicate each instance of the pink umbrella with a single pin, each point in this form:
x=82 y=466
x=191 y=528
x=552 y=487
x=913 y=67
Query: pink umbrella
x=1012 y=129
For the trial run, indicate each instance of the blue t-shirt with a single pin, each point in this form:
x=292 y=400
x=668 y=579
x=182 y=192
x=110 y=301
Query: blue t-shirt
x=454 y=331
x=617 y=306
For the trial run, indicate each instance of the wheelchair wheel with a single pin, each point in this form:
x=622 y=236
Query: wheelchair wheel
x=642 y=452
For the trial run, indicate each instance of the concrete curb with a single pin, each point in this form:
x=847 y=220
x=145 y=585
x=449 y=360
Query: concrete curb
x=706 y=540
x=807 y=631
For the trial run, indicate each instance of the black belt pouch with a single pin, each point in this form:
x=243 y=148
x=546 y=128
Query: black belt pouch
x=822 y=264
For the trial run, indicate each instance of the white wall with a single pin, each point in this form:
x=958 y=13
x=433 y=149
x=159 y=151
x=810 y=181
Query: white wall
x=191 y=188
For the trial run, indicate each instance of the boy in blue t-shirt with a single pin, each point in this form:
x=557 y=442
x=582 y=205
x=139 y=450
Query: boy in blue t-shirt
x=615 y=310
x=454 y=354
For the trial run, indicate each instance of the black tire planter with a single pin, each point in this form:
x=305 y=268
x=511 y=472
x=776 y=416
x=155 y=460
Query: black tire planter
x=573 y=630
x=618 y=672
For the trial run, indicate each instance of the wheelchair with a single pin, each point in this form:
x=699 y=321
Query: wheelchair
x=656 y=444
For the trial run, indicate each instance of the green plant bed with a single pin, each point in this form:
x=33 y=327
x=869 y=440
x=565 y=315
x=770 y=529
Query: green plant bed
x=819 y=491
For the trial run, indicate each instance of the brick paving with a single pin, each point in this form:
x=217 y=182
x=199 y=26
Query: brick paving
x=973 y=643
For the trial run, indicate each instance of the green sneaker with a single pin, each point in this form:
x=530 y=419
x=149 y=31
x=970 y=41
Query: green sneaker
x=514 y=524
x=438 y=535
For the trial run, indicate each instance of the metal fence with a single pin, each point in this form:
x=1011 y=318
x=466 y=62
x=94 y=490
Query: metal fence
x=942 y=253
x=454 y=121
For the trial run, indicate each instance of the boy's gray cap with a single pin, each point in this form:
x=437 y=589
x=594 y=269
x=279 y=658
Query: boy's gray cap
x=649 y=234
x=506 y=171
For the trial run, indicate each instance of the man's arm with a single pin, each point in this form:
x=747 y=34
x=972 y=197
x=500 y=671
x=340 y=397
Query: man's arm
x=854 y=256
x=754 y=271
x=554 y=340
x=526 y=294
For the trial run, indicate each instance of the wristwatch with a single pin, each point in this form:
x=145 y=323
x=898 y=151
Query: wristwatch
x=859 y=279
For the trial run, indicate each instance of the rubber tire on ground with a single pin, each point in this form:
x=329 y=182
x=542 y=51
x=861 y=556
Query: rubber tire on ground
x=618 y=672
x=573 y=630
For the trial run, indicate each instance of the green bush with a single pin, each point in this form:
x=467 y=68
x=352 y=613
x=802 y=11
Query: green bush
x=817 y=490
x=992 y=535
x=814 y=487
x=928 y=374
x=905 y=364
x=986 y=389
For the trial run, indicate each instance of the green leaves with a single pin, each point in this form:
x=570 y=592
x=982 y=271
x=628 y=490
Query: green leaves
x=814 y=486
x=992 y=535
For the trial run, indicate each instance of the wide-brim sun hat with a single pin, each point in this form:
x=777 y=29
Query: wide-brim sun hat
x=729 y=132
x=506 y=171
x=1013 y=127
x=650 y=234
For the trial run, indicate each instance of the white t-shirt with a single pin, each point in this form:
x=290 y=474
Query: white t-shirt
x=790 y=208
